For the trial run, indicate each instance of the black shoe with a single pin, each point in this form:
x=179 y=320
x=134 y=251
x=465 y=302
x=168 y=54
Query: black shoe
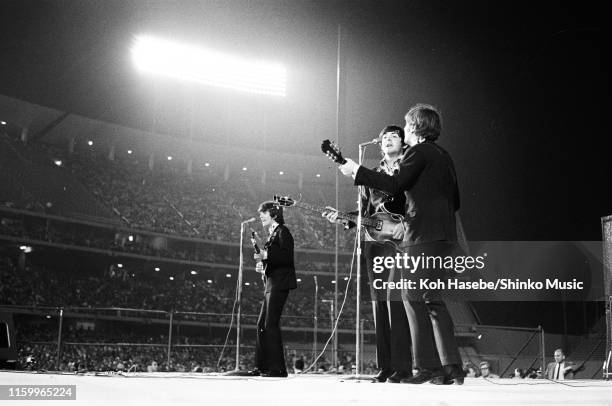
x=254 y=372
x=424 y=375
x=452 y=374
x=382 y=375
x=398 y=376
x=274 y=374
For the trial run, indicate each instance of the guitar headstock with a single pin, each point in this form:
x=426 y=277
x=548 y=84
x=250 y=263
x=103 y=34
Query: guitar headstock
x=284 y=201
x=333 y=152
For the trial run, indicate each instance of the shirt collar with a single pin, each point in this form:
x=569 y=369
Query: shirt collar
x=272 y=227
x=390 y=169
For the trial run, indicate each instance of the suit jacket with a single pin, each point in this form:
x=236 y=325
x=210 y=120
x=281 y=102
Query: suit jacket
x=569 y=374
x=279 y=266
x=428 y=180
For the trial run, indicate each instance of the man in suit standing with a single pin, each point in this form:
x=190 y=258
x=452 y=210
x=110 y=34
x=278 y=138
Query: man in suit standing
x=276 y=262
x=561 y=369
x=427 y=178
x=393 y=349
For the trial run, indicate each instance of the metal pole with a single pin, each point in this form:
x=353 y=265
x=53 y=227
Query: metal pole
x=337 y=235
x=59 y=337
x=543 y=350
x=239 y=313
x=316 y=322
x=170 y=338
x=358 y=282
x=361 y=340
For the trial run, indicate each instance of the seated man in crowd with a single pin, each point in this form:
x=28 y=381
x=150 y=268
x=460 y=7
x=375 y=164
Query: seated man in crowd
x=485 y=371
x=561 y=369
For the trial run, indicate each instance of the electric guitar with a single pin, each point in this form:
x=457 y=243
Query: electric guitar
x=333 y=152
x=377 y=227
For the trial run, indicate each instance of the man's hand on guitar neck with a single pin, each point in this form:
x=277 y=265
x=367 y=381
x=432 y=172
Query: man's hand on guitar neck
x=331 y=215
x=349 y=168
x=263 y=254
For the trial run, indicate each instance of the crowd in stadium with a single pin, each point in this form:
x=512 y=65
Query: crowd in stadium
x=168 y=200
x=43 y=287
x=112 y=348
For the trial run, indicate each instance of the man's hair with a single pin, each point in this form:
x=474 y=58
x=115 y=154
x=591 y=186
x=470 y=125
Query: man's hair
x=560 y=350
x=483 y=363
x=392 y=129
x=276 y=211
x=427 y=121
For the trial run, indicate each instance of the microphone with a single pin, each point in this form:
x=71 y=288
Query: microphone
x=252 y=219
x=374 y=141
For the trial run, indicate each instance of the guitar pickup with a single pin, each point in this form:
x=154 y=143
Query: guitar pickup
x=379 y=225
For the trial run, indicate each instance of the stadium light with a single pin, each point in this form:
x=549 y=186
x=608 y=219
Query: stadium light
x=208 y=67
x=90 y=143
x=3 y=122
x=281 y=173
x=58 y=162
x=228 y=275
x=169 y=158
x=209 y=281
x=156 y=269
x=129 y=151
x=299 y=279
x=318 y=175
x=206 y=164
x=244 y=168
x=171 y=278
x=194 y=272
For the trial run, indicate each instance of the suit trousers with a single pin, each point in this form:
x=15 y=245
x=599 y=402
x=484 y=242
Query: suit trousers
x=269 y=351
x=431 y=326
x=393 y=343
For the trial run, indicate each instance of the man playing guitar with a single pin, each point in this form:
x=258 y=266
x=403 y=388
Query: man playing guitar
x=393 y=349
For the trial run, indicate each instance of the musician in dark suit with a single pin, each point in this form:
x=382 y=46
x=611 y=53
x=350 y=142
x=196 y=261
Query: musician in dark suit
x=427 y=178
x=393 y=350
x=277 y=264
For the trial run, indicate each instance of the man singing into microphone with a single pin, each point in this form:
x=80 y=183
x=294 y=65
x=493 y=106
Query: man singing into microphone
x=393 y=349
x=275 y=262
x=427 y=178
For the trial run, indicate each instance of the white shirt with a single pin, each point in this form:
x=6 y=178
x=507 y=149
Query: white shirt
x=559 y=373
x=272 y=228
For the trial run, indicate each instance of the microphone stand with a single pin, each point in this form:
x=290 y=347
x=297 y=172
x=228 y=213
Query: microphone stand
x=358 y=375
x=236 y=370
x=239 y=298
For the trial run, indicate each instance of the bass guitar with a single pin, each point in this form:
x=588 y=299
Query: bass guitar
x=378 y=227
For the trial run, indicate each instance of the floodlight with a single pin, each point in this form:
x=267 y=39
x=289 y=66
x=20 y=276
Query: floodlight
x=208 y=67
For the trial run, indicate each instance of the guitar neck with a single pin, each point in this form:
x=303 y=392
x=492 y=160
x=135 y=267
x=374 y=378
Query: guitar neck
x=365 y=221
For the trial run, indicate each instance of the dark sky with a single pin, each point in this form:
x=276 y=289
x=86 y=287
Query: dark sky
x=523 y=87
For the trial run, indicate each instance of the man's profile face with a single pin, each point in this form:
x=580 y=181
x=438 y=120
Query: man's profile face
x=266 y=219
x=559 y=356
x=410 y=137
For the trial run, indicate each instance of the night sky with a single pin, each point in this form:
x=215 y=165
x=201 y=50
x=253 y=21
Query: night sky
x=523 y=88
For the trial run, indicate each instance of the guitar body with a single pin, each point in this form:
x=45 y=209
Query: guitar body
x=382 y=230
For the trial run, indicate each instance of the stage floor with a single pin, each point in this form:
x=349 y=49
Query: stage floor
x=212 y=389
